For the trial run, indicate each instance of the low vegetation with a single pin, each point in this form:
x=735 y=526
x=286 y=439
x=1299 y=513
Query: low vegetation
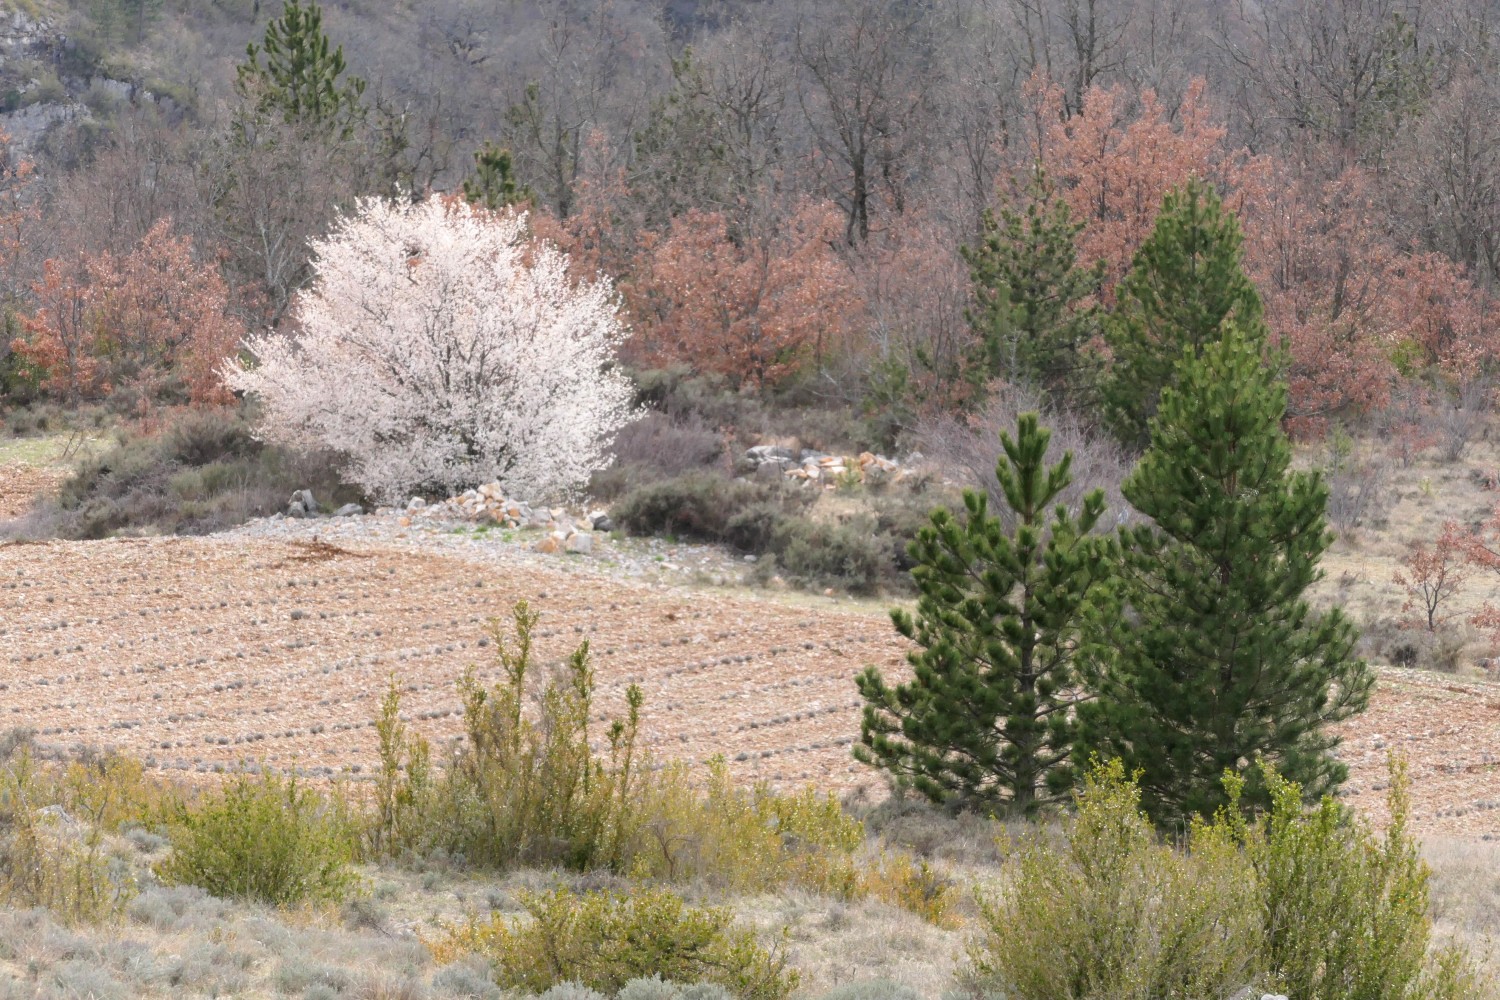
x=667 y=862
x=862 y=550
x=269 y=839
x=603 y=940
x=197 y=471
x=1298 y=902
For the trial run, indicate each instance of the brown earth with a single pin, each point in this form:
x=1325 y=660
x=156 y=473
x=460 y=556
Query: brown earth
x=20 y=485
x=201 y=653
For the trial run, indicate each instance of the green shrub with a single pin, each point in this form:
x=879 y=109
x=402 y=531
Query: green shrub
x=1306 y=903
x=604 y=940
x=1346 y=910
x=1115 y=914
x=261 y=838
x=525 y=788
x=849 y=555
x=51 y=857
x=747 y=839
x=202 y=472
x=862 y=553
x=703 y=505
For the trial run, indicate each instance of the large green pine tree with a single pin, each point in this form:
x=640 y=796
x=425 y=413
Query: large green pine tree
x=1032 y=315
x=988 y=717
x=1216 y=658
x=300 y=75
x=1184 y=282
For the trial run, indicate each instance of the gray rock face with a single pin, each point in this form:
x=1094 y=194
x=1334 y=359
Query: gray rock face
x=349 y=510
x=580 y=544
x=295 y=509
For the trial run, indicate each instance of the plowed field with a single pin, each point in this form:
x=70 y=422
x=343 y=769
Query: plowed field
x=199 y=654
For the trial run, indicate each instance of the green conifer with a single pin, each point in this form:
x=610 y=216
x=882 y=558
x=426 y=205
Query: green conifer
x=300 y=77
x=1216 y=659
x=493 y=185
x=1032 y=314
x=988 y=717
x=1184 y=282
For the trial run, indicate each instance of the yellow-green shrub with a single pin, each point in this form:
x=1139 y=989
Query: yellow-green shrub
x=48 y=857
x=912 y=885
x=1345 y=909
x=1305 y=903
x=267 y=838
x=604 y=940
x=747 y=839
x=1115 y=914
x=525 y=788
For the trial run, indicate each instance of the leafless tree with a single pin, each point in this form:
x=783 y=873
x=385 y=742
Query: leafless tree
x=862 y=99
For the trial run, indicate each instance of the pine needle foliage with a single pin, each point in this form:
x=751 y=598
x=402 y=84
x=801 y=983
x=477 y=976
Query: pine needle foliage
x=1217 y=659
x=492 y=184
x=1186 y=280
x=988 y=717
x=1034 y=311
x=301 y=71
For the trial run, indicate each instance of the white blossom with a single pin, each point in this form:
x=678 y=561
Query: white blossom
x=441 y=347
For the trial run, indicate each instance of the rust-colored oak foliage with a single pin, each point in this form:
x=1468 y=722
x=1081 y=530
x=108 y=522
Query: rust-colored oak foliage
x=1354 y=306
x=153 y=322
x=755 y=307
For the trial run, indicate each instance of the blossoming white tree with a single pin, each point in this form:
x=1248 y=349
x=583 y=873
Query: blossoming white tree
x=441 y=347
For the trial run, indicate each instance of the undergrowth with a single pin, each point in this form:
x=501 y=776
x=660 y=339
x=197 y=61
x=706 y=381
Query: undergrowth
x=525 y=789
x=863 y=552
x=603 y=940
x=1302 y=903
x=198 y=471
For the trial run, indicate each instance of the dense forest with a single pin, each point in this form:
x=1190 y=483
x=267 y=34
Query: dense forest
x=805 y=198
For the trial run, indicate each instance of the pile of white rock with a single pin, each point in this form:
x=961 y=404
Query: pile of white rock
x=819 y=468
x=565 y=531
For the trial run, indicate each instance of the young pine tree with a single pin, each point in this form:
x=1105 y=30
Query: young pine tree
x=493 y=185
x=1184 y=282
x=1217 y=659
x=988 y=717
x=1031 y=313
x=300 y=75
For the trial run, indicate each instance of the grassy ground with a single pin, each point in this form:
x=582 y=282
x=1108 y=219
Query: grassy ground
x=180 y=942
x=1359 y=570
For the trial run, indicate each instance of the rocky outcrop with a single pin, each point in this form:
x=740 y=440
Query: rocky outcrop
x=821 y=469
x=566 y=531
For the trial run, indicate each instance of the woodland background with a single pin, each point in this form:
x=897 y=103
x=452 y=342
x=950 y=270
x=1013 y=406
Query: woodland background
x=782 y=189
